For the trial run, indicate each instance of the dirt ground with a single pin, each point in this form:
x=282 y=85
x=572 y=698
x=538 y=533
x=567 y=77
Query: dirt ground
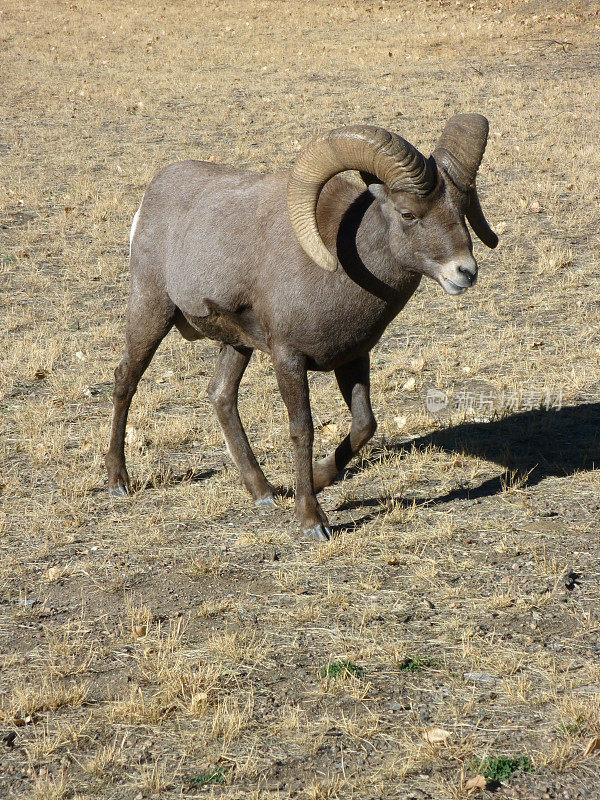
x=178 y=643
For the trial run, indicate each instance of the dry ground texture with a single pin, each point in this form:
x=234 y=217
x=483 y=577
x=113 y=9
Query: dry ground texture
x=171 y=644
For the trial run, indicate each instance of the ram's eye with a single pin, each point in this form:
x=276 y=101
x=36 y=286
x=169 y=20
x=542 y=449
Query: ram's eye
x=407 y=216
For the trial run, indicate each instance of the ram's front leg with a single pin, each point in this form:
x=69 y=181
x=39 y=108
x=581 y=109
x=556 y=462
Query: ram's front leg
x=223 y=393
x=353 y=380
x=290 y=370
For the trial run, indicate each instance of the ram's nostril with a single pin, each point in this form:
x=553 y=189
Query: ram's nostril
x=470 y=276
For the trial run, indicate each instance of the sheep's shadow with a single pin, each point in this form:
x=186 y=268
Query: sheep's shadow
x=171 y=479
x=530 y=446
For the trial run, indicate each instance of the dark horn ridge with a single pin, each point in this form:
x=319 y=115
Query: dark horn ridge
x=460 y=148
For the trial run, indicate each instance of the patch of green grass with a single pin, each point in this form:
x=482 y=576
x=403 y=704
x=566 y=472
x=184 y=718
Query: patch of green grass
x=498 y=769
x=342 y=669
x=574 y=728
x=214 y=775
x=417 y=663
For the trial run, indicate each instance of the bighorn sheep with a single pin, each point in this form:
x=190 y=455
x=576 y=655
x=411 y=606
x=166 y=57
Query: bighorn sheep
x=305 y=266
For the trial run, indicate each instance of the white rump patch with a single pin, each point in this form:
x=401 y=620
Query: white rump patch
x=136 y=216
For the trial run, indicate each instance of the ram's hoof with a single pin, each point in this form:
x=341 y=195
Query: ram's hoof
x=118 y=491
x=320 y=532
x=266 y=502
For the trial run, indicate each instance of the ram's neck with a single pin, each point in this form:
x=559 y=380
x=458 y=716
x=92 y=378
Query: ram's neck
x=351 y=224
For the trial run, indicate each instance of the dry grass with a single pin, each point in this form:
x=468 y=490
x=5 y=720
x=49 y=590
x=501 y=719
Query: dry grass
x=172 y=644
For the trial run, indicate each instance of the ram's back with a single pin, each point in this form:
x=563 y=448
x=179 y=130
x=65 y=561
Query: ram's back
x=204 y=230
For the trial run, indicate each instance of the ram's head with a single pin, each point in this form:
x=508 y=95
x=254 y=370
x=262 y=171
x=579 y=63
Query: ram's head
x=424 y=201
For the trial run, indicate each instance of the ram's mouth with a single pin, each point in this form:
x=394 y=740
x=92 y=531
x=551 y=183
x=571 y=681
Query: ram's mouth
x=450 y=287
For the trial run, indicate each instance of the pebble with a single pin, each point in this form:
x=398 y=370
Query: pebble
x=483 y=678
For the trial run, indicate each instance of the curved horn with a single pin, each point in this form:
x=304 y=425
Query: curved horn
x=459 y=152
x=460 y=148
x=478 y=222
x=369 y=149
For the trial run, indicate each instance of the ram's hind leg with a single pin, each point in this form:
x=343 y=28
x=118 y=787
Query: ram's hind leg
x=148 y=322
x=353 y=380
x=223 y=394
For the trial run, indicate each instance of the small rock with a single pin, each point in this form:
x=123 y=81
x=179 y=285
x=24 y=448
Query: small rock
x=9 y=739
x=478 y=782
x=436 y=735
x=417 y=364
x=481 y=678
x=572 y=580
x=53 y=574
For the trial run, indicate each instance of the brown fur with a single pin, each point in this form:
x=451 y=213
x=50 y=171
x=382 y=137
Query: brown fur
x=214 y=254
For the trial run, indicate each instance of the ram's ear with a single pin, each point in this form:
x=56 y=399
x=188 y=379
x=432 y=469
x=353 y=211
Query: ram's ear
x=380 y=191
